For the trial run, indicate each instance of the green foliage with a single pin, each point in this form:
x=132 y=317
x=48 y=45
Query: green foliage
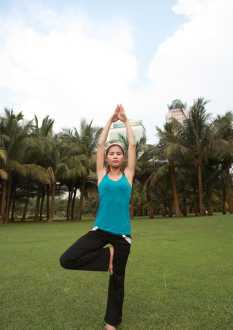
x=189 y=167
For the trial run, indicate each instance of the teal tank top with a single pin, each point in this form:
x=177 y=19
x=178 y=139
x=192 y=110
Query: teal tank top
x=113 y=212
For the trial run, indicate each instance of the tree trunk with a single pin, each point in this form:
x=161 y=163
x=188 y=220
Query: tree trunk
x=230 y=202
x=163 y=209
x=53 y=191
x=50 y=194
x=200 y=188
x=209 y=200
x=73 y=203
x=184 y=207
x=10 y=205
x=42 y=205
x=37 y=207
x=68 y=205
x=176 y=205
x=151 y=212
x=8 y=198
x=194 y=208
x=80 y=209
x=140 y=203
x=13 y=205
x=49 y=203
x=26 y=203
x=224 y=198
x=25 y=209
x=225 y=185
x=144 y=211
x=3 y=201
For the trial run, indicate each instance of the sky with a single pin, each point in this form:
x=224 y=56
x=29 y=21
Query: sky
x=79 y=59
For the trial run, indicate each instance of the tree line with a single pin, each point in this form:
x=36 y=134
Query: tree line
x=45 y=176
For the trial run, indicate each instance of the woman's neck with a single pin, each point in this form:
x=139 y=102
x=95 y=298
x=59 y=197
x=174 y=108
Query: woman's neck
x=114 y=172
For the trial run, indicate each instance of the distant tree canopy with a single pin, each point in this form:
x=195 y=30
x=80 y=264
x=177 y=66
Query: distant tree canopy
x=46 y=176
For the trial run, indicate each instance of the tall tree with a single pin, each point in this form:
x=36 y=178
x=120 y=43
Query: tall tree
x=42 y=149
x=223 y=128
x=13 y=132
x=77 y=164
x=170 y=148
x=196 y=139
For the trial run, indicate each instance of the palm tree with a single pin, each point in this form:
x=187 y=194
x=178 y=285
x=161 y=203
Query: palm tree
x=77 y=163
x=12 y=137
x=196 y=139
x=223 y=147
x=158 y=192
x=169 y=149
x=3 y=180
x=42 y=149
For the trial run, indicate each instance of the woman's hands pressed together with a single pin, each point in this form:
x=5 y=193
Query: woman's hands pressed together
x=119 y=114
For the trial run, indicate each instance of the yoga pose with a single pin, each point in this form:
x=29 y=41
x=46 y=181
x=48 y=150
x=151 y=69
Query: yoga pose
x=112 y=223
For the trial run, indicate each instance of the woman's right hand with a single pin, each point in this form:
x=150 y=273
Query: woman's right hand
x=114 y=117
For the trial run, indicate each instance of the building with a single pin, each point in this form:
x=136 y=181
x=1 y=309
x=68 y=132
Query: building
x=118 y=128
x=178 y=111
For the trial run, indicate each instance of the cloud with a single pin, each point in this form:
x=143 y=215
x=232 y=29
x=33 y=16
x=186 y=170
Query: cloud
x=68 y=66
x=197 y=59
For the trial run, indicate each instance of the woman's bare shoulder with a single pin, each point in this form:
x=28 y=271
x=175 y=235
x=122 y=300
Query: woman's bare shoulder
x=101 y=174
x=129 y=176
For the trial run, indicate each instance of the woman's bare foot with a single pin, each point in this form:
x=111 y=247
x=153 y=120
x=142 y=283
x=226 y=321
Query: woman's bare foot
x=110 y=268
x=109 y=327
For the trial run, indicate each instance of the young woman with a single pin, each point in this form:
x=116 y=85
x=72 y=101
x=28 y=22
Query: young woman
x=112 y=223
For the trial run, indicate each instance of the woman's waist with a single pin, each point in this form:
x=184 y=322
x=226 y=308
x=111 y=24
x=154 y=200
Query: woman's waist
x=120 y=224
x=109 y=231
x=118 y=231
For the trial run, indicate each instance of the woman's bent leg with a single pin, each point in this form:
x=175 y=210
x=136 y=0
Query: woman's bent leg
x=87 y=253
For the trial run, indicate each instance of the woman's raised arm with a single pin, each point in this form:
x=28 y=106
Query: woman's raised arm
x=101 y=143
x=130 y=169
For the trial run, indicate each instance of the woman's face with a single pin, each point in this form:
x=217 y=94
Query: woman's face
x=115 y=156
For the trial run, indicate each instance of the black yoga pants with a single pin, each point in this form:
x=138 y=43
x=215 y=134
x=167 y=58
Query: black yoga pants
x=89 y=253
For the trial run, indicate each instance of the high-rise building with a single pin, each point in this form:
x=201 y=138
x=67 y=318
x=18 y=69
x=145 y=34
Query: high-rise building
x=177 y=110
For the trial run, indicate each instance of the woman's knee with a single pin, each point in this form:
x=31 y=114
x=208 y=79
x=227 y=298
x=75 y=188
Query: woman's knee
x=69 y=262
x=64 y=261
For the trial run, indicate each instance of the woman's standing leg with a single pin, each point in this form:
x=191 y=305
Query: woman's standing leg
x=88 y=253
x=113 y=315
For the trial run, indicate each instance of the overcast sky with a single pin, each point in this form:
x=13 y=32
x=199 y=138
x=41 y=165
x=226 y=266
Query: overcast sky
x=78 y=59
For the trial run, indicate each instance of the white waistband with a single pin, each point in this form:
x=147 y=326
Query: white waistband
x=128 y=239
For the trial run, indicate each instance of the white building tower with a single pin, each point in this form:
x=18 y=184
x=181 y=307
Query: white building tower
x=177 y=110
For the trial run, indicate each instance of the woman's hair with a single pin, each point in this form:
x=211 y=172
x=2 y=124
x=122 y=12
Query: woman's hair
x=114 y=144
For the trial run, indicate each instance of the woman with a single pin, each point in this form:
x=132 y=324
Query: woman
x=112 y=223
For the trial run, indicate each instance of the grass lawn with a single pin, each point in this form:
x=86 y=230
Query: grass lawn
x=179 y=276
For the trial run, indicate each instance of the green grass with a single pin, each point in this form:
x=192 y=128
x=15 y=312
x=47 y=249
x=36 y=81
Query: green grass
x=179 y=276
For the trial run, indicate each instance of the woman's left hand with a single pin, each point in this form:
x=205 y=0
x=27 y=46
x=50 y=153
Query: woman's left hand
x=121 y=114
